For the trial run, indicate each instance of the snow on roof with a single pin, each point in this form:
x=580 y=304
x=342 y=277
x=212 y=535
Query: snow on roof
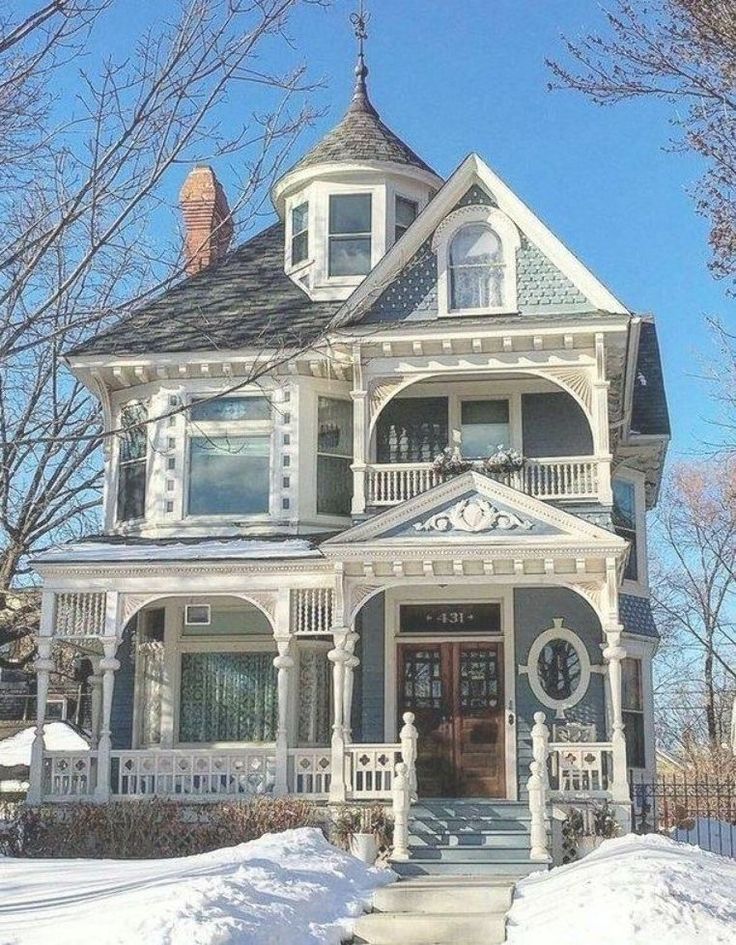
x=240 y=548
x=58 y=736
x=286 y=887
x=630 y=891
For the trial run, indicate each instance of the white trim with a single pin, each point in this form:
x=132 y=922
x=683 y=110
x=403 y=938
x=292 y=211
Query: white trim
x=507 y=233
x=639 y=587
x=557 y=632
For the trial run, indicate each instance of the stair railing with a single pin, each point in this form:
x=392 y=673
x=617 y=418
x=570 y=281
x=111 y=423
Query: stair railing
x=408 y=737
x=537 y=786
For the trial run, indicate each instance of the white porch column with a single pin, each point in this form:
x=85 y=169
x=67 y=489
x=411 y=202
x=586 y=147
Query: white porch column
x=351 y=664
x=601 y=436
x=613 y=653
x=108 y=666
x=360 y=435
x=95 y=686
x=338 y=656
x=284 y=663
x=43 y=667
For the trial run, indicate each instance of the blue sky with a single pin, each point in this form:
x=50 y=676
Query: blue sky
x=453 y=77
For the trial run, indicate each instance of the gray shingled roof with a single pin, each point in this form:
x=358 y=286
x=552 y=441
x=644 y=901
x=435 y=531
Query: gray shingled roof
x=245 y=300
x=636 y=615
x=361 y=136
x=649 y=414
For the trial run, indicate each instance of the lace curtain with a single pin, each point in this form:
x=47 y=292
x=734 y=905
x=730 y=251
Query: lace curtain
x=314 y=697
x=151 y=656
x=228 y=697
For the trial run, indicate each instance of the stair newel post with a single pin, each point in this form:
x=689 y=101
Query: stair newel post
x=338 y=656
x=537 y=786
x=401 y=797
x=408 y=737
x=540 y=746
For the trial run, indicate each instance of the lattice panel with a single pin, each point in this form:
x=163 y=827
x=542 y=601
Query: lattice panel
x=80 y=615
x=311 y=610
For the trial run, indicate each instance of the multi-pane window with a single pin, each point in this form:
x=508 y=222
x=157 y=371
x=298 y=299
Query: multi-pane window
x=350 y=222
x=406 y=214
x=476 y=268
x=131 y=502
x=412 y=430
x=624 y=522
x=230 y=456
x=299 y=233
x=334 y=456
x=484 y=426
x=632 y=701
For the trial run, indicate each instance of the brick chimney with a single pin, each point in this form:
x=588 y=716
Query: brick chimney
x=208 y=226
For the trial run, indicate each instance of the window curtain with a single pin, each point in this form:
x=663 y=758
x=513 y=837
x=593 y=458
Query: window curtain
x=151 y=656
x=314 y=697
x=228 y=697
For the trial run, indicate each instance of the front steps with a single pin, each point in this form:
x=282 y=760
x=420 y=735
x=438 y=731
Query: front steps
x=456 y=887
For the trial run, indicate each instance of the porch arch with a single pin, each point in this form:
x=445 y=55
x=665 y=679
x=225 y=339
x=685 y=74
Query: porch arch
x=133 y=604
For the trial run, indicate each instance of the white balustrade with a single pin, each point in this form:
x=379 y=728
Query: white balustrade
x=68 y=774
x=559 y=478
x=580 y=769
x=80 y=614
x=181 y=772
x=312 y=771
x=311 y=610
x=371 y=770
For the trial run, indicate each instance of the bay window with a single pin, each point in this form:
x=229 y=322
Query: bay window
x=350 y=226
x=624 y=522
x=230 y=456
x=334 y=456
x=132 y=463
x=632 y=701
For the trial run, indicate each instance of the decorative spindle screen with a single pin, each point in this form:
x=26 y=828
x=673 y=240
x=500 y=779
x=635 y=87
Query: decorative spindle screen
x=80 y=615
x=311 y=610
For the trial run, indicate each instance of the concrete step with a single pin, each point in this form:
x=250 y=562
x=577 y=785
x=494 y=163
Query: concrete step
x=447 y=854
x=437 y=928
x=451 y=895
x=481 y=838
x=511 y=869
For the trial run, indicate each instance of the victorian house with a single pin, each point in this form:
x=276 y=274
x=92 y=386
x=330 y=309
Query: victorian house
x=375 y=489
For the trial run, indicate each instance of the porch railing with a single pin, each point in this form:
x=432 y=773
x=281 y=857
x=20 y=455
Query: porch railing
x=181 y=772
x=580 y=768
x=569 y=477
x=69 y=774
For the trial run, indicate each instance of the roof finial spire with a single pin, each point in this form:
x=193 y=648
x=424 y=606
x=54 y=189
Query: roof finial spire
x=360 y=101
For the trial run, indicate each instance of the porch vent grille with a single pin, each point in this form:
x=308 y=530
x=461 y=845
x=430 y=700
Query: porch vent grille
x=311 y=610
x=80 y=615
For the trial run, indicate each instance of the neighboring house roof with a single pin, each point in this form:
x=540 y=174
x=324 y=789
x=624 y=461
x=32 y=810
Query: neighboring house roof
x=245 y=300
x=361 y=136
x=636 y=615
x=649 y=414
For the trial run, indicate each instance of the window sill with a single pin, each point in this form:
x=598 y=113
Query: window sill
x=470 y=312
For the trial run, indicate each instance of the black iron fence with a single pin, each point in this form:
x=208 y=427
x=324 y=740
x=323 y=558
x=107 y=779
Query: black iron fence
x=693 y=809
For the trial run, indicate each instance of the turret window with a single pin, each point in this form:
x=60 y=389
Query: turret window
x=476 y=268
x=299 y=233
x=406 y=214
x=132 y=463
x=350 y=222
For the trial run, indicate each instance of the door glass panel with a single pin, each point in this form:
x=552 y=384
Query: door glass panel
x=422 y=683
x=478 y=680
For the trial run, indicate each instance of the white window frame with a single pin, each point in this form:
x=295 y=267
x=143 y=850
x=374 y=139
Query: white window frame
x=401 y=196
x=639 y=587
x=197 y=623
x=352 y=278
x=510 y=239
x=125 y=524
x=296 y=205
x=558 y=633
x=233 y=428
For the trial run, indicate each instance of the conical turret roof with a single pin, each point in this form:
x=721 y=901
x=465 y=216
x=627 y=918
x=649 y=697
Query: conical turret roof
x=361 y=135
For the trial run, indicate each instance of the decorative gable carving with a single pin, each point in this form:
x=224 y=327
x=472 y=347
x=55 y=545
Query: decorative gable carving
x=475 y=515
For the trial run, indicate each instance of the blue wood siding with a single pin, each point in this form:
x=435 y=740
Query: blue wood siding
x=121 y=717
x=368 y=691
x=554 y=424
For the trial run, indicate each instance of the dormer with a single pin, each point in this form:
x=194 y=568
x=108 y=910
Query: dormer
x=349 y=199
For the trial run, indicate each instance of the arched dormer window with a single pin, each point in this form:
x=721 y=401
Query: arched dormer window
x=476 y=262
x=476 y=268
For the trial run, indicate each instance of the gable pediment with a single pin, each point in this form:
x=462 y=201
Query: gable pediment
x=473 y=509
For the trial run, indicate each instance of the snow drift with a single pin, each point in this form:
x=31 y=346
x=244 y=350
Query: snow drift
x=630 y=891
x=292 y=887
x=57 y=736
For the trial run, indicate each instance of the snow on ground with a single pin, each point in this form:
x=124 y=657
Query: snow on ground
x=58 y=736
x=291 y=888
x=630 y=891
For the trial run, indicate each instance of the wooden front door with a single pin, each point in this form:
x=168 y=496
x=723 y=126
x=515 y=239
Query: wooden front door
x=455 y=690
